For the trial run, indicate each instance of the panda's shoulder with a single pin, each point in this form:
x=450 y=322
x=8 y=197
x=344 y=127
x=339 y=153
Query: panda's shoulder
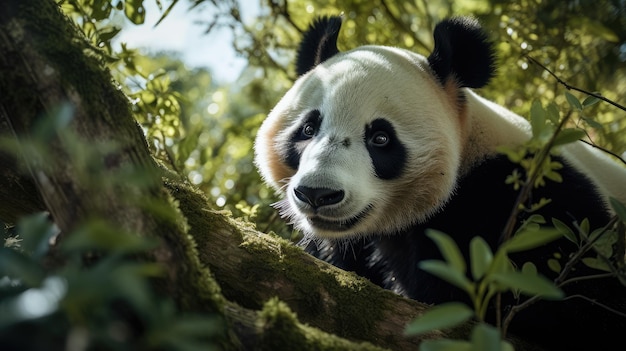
x=498 y=172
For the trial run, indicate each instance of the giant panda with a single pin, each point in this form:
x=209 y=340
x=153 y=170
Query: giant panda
x=372 y=147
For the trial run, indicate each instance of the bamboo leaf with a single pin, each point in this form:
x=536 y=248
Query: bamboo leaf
x=537 y=117
x=449 y=250
x=446 y=272
x=567 y=232
x=568 y=135
x=486 y=338
x=530 y=238
x=480 y=257
x=573 y=101
x=590 y=101
x=596 y=263
x=438 y=317
x=530 y=284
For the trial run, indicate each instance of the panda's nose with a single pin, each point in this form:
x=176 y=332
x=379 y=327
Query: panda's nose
x=318 y=197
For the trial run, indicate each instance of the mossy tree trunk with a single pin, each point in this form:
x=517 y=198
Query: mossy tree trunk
x=270 y=294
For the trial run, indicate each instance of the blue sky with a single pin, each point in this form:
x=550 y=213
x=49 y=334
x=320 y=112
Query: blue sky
x=181 y=32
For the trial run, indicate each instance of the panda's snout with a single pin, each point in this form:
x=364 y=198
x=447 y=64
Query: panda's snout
x=318 y=197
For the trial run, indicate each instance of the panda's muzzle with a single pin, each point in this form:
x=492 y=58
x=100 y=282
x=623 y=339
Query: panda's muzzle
x=318 y=197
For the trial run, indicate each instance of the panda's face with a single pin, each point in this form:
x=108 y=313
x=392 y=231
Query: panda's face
x=366 y=142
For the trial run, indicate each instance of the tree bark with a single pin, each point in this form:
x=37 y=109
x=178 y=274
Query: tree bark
x=270 y=294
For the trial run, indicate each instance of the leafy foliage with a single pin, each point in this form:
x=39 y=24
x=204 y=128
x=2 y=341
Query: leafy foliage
x=203 y=131
x=493 y=273
x=94 y=290
x=108 y=304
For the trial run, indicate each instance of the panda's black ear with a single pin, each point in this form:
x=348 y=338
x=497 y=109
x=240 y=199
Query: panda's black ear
x=462 y=52
x=318 y=43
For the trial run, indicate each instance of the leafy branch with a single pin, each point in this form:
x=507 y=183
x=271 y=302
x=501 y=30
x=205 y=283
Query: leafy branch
x=497 y=274
x=562 y=279
x=571 y=87
x=531 y=181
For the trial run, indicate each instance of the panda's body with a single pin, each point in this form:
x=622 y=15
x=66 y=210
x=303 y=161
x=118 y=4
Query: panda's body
x=373 y=146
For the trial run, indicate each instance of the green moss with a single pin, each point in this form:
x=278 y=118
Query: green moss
x=273 y=259
x=351 y=294
x=282 y=331
x=188 y=202
x=68 y=58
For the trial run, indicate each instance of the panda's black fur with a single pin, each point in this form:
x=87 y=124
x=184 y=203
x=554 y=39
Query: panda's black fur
x=480 y=205
x=318 y=44
x=391 y=261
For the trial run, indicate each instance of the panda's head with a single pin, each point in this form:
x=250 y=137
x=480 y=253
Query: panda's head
x=370 y=140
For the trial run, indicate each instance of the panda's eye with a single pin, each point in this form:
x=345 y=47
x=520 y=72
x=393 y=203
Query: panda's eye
x=308 y=130
x=379 y=139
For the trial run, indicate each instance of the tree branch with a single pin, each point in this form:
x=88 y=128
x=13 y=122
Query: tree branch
x=571 y=87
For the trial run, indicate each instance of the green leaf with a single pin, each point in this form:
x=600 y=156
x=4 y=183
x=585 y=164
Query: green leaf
x=529 y=284
x=100 y=235
x=135 y=11
x=449 y=249
x=535 y=218
x=448 y=273
x=501 y=263
x=554 y=265
x=107 y=34
x=596 y=263
x=485 y=337
x=480 y=257
x=567 y=232
x=592 y=123
x=530 y=238
x=573 y=101
x=101 y=9
x=537 y=117
x=603 y=241
x=568 y=135
x=553 y=114
x=529 y=268
x=16 y=265
x=438 y=317
x=36 y=231
x=590 y=101
x=584 y=227
x=619 y=208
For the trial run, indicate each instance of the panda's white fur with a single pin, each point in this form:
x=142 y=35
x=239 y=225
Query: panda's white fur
x=444 y=137
x=372 y=147
x=434 y=156
x=497 y=125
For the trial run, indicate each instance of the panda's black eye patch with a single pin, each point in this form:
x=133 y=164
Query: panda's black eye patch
x=387 y=152
x=308 y=128
x=380 y=133
x=379 y=139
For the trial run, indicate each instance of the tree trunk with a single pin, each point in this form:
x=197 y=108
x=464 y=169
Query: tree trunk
x=270 y=294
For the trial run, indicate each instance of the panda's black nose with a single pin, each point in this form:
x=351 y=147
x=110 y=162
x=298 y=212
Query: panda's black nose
x=318 y=197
